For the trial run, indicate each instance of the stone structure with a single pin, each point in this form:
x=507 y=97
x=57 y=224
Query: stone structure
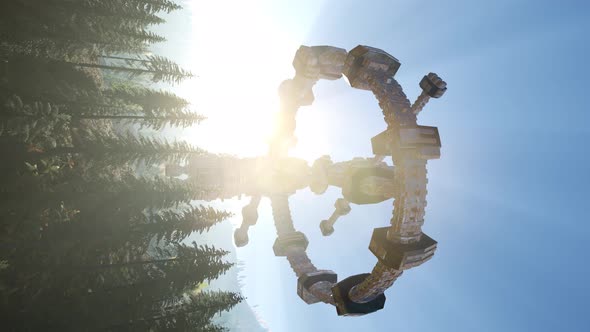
x=397 y=247
x=402 y=245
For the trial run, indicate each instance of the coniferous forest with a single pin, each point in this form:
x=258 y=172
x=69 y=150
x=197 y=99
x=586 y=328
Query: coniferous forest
x=86 y=241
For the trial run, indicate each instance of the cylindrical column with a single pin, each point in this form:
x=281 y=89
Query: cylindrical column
x=298 y=259
x=323 y=291
x=397 y=112
x=410 y=203
x=281 y=214
x=381 y=279
x=420 y=102
x=299 y=262
x=393 y=101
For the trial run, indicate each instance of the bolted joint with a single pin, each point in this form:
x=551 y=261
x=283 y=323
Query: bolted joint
x=308 y=279
x=401 y=256
x=345 y=306
x=240 y=237
x=293 y=240
x=326 y=227
x=433 y=85
x=342 y=206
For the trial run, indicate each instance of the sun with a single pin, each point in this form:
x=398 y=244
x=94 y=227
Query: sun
x=240 y=57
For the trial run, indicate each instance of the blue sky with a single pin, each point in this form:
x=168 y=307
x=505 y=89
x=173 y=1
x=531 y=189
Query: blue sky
x=507 y=200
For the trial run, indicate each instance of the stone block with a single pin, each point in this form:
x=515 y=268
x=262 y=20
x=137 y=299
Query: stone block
x=382 y=143
x=306 y=62
x=433 y=85
x=326 y=227
x=364 y=63
x=424 y=141
x=307 y=280
x=342 y=207
x=249 y=215
x=353 y=192
x=240 y=237
x=345 y=306
x=293 y=240
x=401 y=256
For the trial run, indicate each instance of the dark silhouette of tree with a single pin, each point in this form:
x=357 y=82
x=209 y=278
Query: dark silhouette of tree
x=147 y=290
x=156 y=67
x=86 y=243
x=22 y=115
x=148 y=99
x=125 y=149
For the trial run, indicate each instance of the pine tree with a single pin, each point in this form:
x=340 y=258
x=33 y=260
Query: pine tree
x=147 y=99
x=124 y=291
x=156 y=67
x=105 y=23
x=124 y=149
x=183 y=119
x=86 y=243
x=175 y=226
x=191 y=313
x=15 y=116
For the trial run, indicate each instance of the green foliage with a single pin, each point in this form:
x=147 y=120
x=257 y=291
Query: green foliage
x=127 y=148
x=174 y=226
x=59 y=26
x=157 y=68
x=147 y=99
x=87 y=244
x=37 y=123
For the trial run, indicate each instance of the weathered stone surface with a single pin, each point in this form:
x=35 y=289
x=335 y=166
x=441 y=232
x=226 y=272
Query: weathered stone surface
x=319 y=175
x=289 y=241
x=240 y=237
x=345 y=306
x=381 y=278
x=249 y=215
x=306 y=62
x=307 y=280
x=420 y=142
x=326 y=227
x=297 y=91
x=364 y=63
x=354 y=192
x=342 y=207
x=382 y=143
x=325 y=62
x=433 y=85
x=401 y=256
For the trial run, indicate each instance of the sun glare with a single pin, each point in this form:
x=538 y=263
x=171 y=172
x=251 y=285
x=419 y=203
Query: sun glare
x=240 y=58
